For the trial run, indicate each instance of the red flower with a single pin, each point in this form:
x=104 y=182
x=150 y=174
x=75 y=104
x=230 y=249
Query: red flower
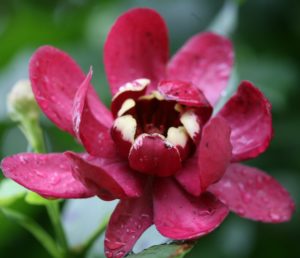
x=159 y=151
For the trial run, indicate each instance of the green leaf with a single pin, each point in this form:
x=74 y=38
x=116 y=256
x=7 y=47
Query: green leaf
x=35 y=199
x=173 y=250
x=10 y=192
x=36 y=230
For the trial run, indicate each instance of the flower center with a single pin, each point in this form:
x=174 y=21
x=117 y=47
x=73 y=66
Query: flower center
x=155 y=134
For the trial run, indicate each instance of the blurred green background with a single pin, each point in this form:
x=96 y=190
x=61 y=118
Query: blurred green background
x=266 y=36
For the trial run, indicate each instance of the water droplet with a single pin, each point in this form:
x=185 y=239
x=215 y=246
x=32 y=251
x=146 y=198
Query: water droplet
x=23 y=160
x=38 y=173
x=113 y=245
x=108 y=254
x=241 y=186
x=120 y=254
x=246 y=197
x=274 y=216
x=240 y=211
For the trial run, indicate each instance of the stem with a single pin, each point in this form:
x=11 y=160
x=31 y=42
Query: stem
x=54 y=214
x=35 y=229
x=34 y=134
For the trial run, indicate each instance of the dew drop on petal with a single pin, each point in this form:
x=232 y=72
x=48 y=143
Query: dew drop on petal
x=113 y=245
x=240 y=211
x=274 y=216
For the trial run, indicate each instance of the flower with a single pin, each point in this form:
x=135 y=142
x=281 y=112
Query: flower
x=160 y=150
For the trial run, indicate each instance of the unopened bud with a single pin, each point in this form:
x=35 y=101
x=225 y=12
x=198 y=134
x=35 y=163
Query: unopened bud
x=21 y=103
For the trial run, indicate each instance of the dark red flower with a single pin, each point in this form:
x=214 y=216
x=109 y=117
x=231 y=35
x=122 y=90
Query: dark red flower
x=159 y=150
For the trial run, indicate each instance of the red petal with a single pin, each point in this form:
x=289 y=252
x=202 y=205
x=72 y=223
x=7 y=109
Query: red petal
x=178 y=215
x=248 y=113
x=183 y=92
x=189 y=176
x=186 y=94
x=132 y=90
x=151 y=154
x=253 y=194
x=109 y=176
x=127 y=223
x=206 y=61
x=49 y=175
x=136 y=47
x=213 y=157
x=94 y=134
x=55 y=78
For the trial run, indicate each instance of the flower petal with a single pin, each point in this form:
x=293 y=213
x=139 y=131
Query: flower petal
x=112 y=177
x=253 y=194
x=206 y=61
x=186 y=94
x=94 y=134
x=178 y=215
x=130 y=91
x=136 y=47
x=248 y=113
x=183 y=92
x=127 y=223
x=152 y=154
x=213 y=157
x=55 y=78
x=49 y=175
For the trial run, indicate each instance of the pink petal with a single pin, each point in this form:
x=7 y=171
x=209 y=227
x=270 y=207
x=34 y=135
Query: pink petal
x=183 y=92
x=253 y=194
x=186 y=94
x=213 y=154
x=49 y=175
x=127 y=223
x=55 y=78
x=136 y=47
x=206 y=61
x=112 y=177
x=151 y=154
x=178 y=215
x=94 y=134
x=132 y=90
x=248 y=113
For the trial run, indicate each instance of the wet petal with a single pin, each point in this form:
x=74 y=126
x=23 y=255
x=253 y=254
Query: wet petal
x=94 y=134
x=123 y=133
x=136 y=47
x=210 y=161
x=253 y=194
x=184 y=93
x=248 y=113
x=106 y=176
x=55 y=78
x=49 y=175
x=152 y=154
x=178 y=215
x=206 y=61
x=127 y=223
x=130 y=91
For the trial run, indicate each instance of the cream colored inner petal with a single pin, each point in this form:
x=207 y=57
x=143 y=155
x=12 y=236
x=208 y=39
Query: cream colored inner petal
x=136 y=85
x=190 y=122
x=177 y=136
x=154 y=94
x=128 y=104
x=127 y=126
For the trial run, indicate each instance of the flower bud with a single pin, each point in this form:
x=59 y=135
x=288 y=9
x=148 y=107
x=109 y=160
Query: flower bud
x=21 y=103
